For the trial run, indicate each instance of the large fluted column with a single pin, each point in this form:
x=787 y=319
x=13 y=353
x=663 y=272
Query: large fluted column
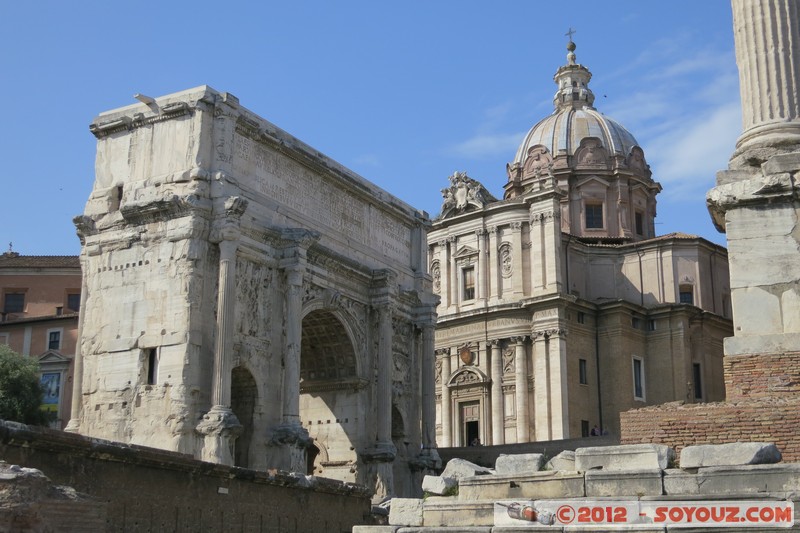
x=521 y=386
x=498 y=415
x=767 y=37
x=447 y=417
x=757 y=201
x=219 y=426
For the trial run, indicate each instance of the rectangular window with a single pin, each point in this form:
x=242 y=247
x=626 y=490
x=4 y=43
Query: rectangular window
x=698 y=381
x=584 y=379
x=469 y=283
x=581 y=317
x=152 y=366
x=54 y=340
x=14 y=302
x=584 y=428
x=594 y=216
x=636 y=323
x=639 y=222
x=74 y=302
x=651 y=325
x=686 y=294
x=4 y=338
x=638 y=378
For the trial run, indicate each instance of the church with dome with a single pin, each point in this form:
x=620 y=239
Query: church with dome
x=559 y=305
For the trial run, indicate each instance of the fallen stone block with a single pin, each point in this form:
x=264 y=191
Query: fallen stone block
x=439 y=485
x=732 y=454
x=563 y=461
x=724 y=480
x=458 y=468
x=624 y=457
x=537 y=485
x=522 y=463
x=405 y=512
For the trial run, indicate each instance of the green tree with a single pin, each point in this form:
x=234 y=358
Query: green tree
x=20 y=390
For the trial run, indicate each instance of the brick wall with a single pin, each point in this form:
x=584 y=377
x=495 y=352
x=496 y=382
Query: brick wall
x=675 y=424
x=762 y=375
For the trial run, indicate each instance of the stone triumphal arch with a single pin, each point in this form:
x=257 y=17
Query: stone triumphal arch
x=250 y=301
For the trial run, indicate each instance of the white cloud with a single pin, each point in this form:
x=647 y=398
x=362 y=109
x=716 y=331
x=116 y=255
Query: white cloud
x=489 y=144
x=687 y=158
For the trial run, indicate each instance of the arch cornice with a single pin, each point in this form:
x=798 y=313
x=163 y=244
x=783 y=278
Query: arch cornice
x=467 y=376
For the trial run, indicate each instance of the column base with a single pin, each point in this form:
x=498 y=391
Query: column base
x=220 y=428
x=288 y=447
x=428 y=459
x=73 y=426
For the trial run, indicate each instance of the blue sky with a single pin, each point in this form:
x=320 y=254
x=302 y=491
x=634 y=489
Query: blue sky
x=403 y=93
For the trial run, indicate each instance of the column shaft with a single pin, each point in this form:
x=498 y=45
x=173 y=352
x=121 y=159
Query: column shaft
x=521 y=385
x=517 y=277
x=447 y=430
x=498 y=415
x=291 y=369
x=384 y=391
x=77 y=370
x=223 y=348
x=428 y=388
x=492 y=270
x=559 y=416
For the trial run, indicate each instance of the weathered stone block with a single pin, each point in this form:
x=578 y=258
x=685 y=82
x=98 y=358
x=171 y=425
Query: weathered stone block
x=449 y=512
x=405 y=512
x=459 y=468
x=538 y=485
x=735 y=453
x=563 y=461
x=720 y=480
x=438 y=485
x=375 y=529
x=624 y=483
x=626 y=457
x=523 y=463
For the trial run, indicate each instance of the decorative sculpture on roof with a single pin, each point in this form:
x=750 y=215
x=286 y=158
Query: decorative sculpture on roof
x=463 y=193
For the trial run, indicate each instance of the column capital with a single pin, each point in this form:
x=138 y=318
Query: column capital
x=480 y=231
x=516 y=225
x=520 y=339
x=492 y=229
x=442 y=351
x=542 y=334
x=494 y=342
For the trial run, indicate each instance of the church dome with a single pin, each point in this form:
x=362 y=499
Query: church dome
x=561 y=133
x=574 y=119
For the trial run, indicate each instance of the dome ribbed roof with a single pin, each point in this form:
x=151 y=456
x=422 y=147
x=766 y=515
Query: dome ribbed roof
x=564 y=130
x=574 y=118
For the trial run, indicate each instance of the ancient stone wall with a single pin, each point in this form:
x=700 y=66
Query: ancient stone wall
x=154 y=490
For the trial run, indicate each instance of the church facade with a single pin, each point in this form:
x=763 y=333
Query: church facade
x=249 y=301
x=559 y=305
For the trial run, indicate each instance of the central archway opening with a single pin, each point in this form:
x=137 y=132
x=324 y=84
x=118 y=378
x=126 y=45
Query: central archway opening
x=330 y=396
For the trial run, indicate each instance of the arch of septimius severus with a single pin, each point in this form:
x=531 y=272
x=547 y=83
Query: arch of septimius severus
x=249 y=301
